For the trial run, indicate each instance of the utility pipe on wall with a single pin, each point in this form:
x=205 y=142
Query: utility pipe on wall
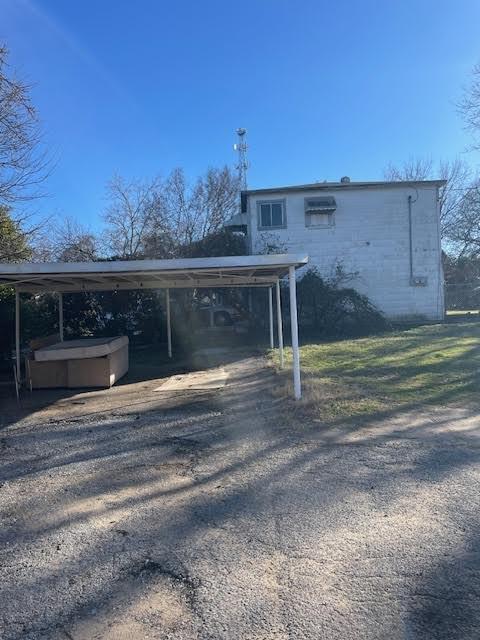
x=410 y=237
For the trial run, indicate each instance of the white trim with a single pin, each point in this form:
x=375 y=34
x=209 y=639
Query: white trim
x=270 y=316
x=144 y=266
x=169 y=323
x=279 y=323
x=60 y=315
x=113 y=285
x=297 y=387
x=17 y=336
x=224 y=271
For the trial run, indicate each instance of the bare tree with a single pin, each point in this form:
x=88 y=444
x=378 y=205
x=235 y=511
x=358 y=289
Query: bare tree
x=464 y=234
x=215 y=199
x=176 y=204
x=412 y=169
x=459 y=180
x=134 y=210
x=65 y=240
x=194 y=212
x=457 y=175
x=74 y=242
x=160 y=219
x=23 y=163
x=469 y=106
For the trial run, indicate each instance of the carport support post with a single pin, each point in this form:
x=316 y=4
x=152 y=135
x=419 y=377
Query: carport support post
x=60 y=315
x=169 y=324
x=17 y=333
x=294 y=329
x=270 y=316
x=279 y=323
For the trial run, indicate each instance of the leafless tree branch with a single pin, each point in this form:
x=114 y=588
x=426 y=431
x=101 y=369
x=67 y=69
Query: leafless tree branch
x=158 y=218
x=24 y=164
x=469 y=106
x=452 y=196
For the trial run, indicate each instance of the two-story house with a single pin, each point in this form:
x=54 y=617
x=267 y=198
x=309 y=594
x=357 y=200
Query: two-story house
x=385 y=236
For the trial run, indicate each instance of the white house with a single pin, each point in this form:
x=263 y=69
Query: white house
x=386 y=235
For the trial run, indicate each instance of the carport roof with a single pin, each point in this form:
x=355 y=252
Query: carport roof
x=226 y=271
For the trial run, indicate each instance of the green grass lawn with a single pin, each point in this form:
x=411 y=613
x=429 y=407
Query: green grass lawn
x=437 y=364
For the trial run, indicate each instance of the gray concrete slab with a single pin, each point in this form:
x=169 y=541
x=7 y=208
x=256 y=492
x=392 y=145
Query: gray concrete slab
x=232 y=514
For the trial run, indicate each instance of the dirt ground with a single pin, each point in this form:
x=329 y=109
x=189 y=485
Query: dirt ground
x=213 y=507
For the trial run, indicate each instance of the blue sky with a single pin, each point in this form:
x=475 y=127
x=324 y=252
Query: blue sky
x=325 y=89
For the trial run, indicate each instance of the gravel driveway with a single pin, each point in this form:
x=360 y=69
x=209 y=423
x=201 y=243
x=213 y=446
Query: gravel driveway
x=229 y=513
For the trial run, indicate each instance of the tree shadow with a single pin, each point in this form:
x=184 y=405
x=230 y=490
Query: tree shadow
x=445 y=600
x=130 y=393
x=117 y=492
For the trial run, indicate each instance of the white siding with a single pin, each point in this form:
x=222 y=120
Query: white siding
x=369 y=236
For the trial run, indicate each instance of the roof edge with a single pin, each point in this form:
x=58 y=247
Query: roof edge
x=349 y=185
x=145 y=266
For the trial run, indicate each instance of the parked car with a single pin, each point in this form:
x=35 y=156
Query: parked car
x=218 y=315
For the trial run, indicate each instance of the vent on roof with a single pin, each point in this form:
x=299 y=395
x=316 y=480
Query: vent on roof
x=326 y=204
x=345 y=180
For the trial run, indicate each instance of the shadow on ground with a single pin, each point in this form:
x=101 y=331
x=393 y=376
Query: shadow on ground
x=235 y=513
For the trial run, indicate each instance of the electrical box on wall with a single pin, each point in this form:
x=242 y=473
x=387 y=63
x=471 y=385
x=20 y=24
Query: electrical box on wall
x=418 y=281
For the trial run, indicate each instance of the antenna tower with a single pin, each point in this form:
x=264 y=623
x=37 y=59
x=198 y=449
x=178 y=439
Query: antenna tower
x=241 y=148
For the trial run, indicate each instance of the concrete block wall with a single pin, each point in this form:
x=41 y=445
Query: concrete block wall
x=370 y=236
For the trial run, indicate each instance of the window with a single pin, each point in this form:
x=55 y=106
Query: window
x=319 y=212
x=271 y=214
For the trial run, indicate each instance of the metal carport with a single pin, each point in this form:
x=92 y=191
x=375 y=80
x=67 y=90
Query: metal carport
x=229 y=271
